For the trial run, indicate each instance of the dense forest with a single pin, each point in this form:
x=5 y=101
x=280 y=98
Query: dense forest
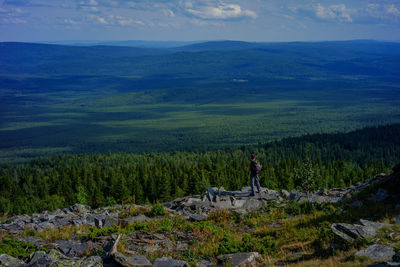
x=334 y=160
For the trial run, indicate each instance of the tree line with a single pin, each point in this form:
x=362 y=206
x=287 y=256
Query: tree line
x=333 y=160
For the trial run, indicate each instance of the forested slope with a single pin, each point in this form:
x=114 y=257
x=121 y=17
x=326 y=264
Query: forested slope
x=100 y=179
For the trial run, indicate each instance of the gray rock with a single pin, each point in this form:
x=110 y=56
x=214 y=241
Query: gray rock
x=252 y=204
x=110 y=221
x=223 y=204
x=92 y=261
x=204 y=263
x=136 y=261
x=398 y=219
x=197 y=217
x=285 y=193
x=72 y=248
x=169 y=262
x=240 y=259
x=80 y=209
x=377 y=252
x=350 y=232
x=39 y=258
x=375 y=225
x=6 y=260
x=297 y=196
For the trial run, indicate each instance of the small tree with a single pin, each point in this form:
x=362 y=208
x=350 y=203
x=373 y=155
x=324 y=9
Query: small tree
x=305 y=177
x=81 y=195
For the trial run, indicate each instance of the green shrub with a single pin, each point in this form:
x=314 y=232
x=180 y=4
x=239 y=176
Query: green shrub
x=157 y=209
x=110 y=201
x=263 y=245
x=229 y=244
x=165 y=225
x=18 y=249
x=106 y=231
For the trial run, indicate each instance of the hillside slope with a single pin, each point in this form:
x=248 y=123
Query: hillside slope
x=277 y=232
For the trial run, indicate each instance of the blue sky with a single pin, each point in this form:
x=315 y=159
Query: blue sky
x=187 y=20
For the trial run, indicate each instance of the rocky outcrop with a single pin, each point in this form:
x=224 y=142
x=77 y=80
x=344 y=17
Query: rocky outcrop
x=350 y=232
x=377 y=252
x=218 y=198
x=6 y=260
x=76 y=215
x=55 y=258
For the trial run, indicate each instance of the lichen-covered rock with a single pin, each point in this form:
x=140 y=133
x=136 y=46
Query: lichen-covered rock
x=169 y=262
x=73 y=248
x=136 y=261
x=39 y=259
x=240 y=259
x=350 y=232
x=7 y=260
x=377 y=252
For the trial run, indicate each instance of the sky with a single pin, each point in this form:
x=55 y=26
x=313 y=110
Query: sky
x=189 y=20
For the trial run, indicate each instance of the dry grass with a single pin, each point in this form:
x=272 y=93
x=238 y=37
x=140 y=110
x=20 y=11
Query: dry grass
x=65 y=233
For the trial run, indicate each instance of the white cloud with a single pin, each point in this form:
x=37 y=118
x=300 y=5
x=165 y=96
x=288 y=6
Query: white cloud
x=98 y=19
x=392 y=10
x=131 y=4
x=338 y=12
x=70 y=22
x=324 y=13
x=222 y=11
x=169 y=12
x=93 y=3
x=122 y=21
x=14 y=21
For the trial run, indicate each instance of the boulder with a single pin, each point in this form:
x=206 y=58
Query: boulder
x=285 y=193
x=204 y=263
x=197 y=217
x=6 y=260
x=92 y=261
x=377 y=252
x=350 y=232
x=136 y=261
x=375 y=225
x=398 y=219
x=80 y=209
x=240 y=259
x=169 y=262
x=73 y=248
x=39 y=258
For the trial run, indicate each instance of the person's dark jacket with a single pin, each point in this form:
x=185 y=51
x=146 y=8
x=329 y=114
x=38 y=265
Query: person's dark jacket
x=253 y=167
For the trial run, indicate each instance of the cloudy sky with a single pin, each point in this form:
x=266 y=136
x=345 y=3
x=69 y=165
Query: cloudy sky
x=188 y=20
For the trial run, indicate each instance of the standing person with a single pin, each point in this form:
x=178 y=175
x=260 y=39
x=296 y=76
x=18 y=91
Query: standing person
x=254 y=168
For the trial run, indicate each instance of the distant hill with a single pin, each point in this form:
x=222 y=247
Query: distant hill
x=205 y=95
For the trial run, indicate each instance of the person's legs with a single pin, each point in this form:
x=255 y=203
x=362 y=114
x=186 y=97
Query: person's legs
x=258 y=184
x=252 y=184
